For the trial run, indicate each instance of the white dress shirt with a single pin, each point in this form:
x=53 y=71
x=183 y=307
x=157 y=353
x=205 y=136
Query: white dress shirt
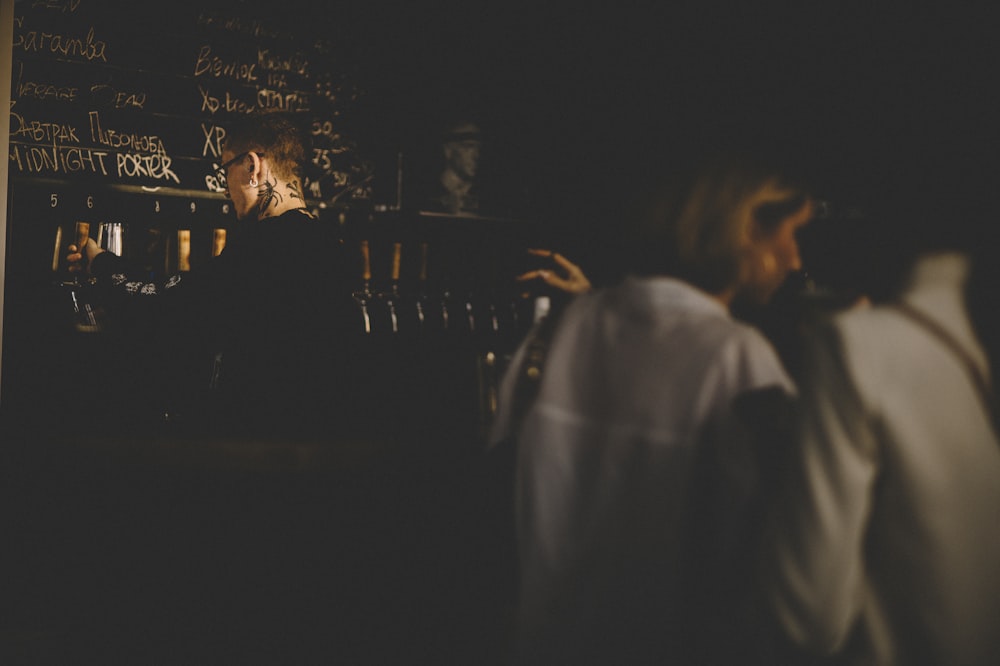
x=639 y=379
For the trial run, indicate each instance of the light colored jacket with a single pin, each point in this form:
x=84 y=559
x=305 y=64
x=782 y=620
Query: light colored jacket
x=639 y=382
x=886 y=546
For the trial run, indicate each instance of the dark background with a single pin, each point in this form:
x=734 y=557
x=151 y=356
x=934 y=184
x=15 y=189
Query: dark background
x=594 y=90
x=872 y=108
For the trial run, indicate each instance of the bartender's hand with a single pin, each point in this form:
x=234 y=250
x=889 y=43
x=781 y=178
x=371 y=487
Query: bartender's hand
x=79 y=259
x=572 y=280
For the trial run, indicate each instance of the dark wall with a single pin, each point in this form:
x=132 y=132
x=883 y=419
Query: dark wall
x=585 y=100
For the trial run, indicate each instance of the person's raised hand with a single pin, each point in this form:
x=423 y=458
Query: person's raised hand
x=78 y=259
x=570 y=278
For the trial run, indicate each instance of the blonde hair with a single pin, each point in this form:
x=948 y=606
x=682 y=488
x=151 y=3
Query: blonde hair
x=697 y=223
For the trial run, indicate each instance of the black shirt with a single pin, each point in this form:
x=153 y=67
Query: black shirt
x=261 y=341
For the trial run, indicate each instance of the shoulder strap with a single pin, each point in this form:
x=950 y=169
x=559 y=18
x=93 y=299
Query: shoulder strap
x=986 y=395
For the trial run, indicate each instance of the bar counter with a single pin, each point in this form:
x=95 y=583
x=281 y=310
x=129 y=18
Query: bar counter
x=174 y=549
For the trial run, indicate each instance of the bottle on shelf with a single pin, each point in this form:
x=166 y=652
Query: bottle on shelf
x=111 y=237
x=183 y=250
x=170 y=251
x=218 y=241
x=57 y=252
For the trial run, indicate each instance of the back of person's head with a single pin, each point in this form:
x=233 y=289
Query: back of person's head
x=692 y=220
x=277 y=134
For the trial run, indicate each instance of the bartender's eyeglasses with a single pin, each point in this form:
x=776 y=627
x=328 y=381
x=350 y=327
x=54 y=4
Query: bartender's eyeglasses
x=220 y=174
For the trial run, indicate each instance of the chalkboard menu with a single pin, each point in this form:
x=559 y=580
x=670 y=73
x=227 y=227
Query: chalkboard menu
x=135 y=97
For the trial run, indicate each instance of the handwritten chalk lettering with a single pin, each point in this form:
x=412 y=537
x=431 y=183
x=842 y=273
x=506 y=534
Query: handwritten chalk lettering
x=214 y=66
x=229 y=104
x=42 y=132
x=144 y=143
x=214 y=136
x=276 y=80
x=272 y=99
x=209 y=102
x=337 y=146
x=59 y=5
x=295 y=64
x=324 y=128
x=214 y=184
x=87 y=48
x=106 y=95
x=321 y=158
x=58 y=159
x=157 y=167
x=35 y=90
x=234 y=105
x=251 y=27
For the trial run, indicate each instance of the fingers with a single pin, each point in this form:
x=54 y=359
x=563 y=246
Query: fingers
x=573 y=285
x=564 y=262
x=556 y=257
x=571 y=268
x=554 y=280
x=74 y=257
x=534 y=275
x=575 y=281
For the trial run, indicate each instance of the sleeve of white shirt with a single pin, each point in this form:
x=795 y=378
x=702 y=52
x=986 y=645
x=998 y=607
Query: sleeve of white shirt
x=814 y=555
